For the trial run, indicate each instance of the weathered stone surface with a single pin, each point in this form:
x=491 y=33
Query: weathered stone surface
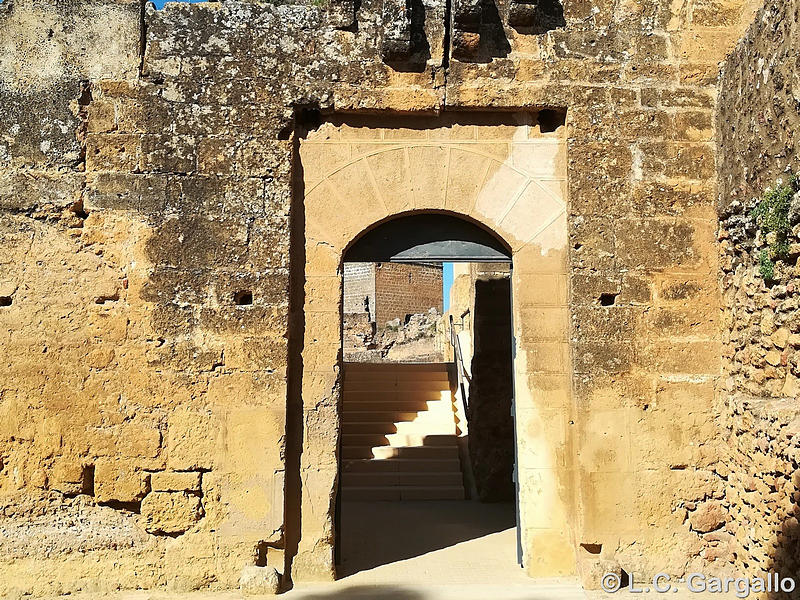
x=175 y=482
x=757 y=121
x=192 y=439
x=150 y=180
x=67 y=477
x=420 y=339
x=258 y=581
x=397 y=44
x=707 y=517
x=118 y=482
x=756 y=147
x=171 y=512
x=591 y=570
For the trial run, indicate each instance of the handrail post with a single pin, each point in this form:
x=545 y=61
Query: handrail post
x=462 y=408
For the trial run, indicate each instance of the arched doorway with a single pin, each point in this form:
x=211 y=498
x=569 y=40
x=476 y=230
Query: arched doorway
x=427 y=236
x=426 y=454
x=503 y=175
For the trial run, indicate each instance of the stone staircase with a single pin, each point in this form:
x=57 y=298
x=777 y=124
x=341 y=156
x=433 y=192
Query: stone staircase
x=398 y=433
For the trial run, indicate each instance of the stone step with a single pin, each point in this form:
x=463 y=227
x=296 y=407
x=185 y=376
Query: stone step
x=398 y=493
x=382 y=376
x=398 y=433
x=356 y=367
x=393 y=395
x=381 y=427
x=405 y=465
x=443 y=406
x=382 y=416
x=425 y=423
x=390 y=385
x=388 y=452
x=427 y=479
x=427 y=438
x=397 y=440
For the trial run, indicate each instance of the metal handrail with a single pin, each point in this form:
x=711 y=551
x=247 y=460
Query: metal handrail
x=461 y=371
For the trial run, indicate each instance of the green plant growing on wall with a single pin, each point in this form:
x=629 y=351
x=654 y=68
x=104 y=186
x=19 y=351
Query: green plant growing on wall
x=772 y=217
x=765 y=265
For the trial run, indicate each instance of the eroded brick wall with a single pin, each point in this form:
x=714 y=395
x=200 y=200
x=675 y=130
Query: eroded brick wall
x=757 y=122
x=391 y=290
x=359 y=289
x=404 y=289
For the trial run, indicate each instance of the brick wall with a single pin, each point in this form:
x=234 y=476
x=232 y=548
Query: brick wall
x=406 y=289
x=359 y=288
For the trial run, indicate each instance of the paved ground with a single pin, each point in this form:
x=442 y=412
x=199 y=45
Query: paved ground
x=429 y=542
x=341 y=591
x=442 y=551
x=422 y=550
x=426 y=551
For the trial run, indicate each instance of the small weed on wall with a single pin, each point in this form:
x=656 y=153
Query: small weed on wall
x=774 y=215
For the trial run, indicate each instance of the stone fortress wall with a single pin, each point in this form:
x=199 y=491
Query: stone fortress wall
x=392 y=290
x=392 y=311
x=168 y=261
x=758 y=149
x=359 y=289
x=402 y=290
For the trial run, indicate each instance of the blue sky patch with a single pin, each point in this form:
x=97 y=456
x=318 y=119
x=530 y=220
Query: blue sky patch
x=160 y=3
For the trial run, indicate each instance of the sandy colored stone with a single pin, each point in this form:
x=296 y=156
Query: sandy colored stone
x=118 y=482
x=767 y=323
x=259 y=581
x=175 y=482
x=707 y=517
x=791 y=387
x=780 y=338
x=67 y=477
x=171 y=512
x=191 y=439
x=158 y=166
x=592 y=569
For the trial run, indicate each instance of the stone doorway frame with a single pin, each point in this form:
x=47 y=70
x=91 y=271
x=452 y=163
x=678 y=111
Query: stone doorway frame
x=492 y=170
x=478 y=236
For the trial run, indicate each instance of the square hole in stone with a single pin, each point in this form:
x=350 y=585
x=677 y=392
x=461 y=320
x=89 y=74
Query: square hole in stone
x=608 y=299
x=6 y=300
x=243 y=298
x=550 y=120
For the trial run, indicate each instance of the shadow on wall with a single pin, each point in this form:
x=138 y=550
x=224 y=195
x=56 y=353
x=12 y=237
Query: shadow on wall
x=786 y=556
x=493 y=40
x=420 y=47
x=549 y=15
x=491 y=426
x=294 y=375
